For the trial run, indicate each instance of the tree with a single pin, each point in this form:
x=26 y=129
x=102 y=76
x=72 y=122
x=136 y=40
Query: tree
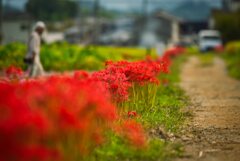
x=228 y=24
x=52 y=9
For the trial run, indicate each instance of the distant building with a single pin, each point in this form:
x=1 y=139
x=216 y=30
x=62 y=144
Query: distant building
x=15 y=27
x=158 y=28
x=170 y=27
x=193 y=27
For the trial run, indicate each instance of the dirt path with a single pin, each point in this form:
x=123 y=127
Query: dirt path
x=213 y=134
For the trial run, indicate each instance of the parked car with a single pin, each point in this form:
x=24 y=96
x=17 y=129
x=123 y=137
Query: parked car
x=209 y=40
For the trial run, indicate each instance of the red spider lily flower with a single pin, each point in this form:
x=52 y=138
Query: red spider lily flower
x=136 y=72
x=165 y=63
x=109 y=62
x=13 y=72
x=116 y=83
x=134 y=133
x=132 y=114
x=174 y=51
x=81 y=74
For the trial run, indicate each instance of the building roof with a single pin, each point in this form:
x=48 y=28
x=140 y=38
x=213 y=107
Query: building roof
x=13 y=16
x=168 y=16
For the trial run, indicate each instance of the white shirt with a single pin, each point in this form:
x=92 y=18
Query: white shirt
x=34 y=44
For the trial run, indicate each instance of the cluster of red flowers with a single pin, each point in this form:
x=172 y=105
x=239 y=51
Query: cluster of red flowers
x=134 y=133
x=39 y=118
x=116 y=82
x=174 y=51
x=13 y=72
x=121 y=75
x=165 y=63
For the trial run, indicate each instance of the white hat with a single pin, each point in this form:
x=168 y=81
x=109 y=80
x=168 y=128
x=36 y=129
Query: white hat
x=40 y=24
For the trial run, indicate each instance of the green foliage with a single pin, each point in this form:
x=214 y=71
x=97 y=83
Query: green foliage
x=232 y=59
x=66 y=57
x=228 y=24
x=52 y=9
x=12 y=54
x=117 y=150
x=233 y=47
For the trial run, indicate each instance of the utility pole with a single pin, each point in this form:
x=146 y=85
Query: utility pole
x=145 y=8
x=96 y=21
x=80 y=20
x=145 y=20
x=96 y=8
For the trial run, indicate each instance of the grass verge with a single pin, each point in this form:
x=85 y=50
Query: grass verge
x=233 y=64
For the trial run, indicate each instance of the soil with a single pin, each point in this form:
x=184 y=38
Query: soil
x=213 y=132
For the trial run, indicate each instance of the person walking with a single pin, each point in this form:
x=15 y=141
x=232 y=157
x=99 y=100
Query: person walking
x=32 y=58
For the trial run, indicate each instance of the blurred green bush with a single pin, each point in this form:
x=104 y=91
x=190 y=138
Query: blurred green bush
x=67 y=57
x=233 y=47
x=232 y=58
x=12 y=54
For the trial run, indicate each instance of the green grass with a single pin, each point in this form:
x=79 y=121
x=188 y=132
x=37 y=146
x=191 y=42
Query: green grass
x=206 y=59
x=232 y=58
x=117 y=150
x=167 y=111
x=171 y=99
x=233 y=64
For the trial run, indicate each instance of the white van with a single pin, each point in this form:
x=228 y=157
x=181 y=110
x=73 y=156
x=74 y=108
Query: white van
x=209 y=40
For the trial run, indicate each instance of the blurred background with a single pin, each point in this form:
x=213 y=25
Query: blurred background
x=144 y=23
